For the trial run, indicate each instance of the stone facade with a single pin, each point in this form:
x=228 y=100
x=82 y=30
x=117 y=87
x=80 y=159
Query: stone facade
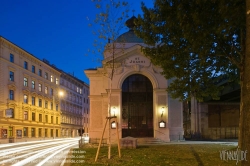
x=129 y=61
x=74 y=105
x=30 y=104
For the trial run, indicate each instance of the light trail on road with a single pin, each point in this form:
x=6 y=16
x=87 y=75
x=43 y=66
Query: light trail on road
x=49 y=152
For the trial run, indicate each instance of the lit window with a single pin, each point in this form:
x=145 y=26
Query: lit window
x=40 y=72
x=12 y=58
x=57 y=81
x=25 y=81
x=10 y=113
x=51 y=78
x=33 y=84
x=25 y=99
x=40 y=87
x=46 y=75
x=11 y=76
x=80 y=91
x=25 y=65
x=46 y=90
x=25 y=115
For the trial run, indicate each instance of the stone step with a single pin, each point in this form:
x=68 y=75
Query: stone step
x=149 y=141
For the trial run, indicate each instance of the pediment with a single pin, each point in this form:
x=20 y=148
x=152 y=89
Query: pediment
x=129 y=57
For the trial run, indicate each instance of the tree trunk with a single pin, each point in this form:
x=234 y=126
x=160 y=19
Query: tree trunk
x=244 y=133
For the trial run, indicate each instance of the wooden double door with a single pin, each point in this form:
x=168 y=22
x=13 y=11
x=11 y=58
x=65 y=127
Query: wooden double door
x=137 y=107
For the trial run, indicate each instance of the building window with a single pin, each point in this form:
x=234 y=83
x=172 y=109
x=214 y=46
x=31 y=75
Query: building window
x=51 y=78
x=57 y=81
x=11 y=76
x=33 y=133
x=10 y=113
x=25 y=99
x=40 y=72
x=56 y=107
x=46 y=90
x=33 y=84
x=40 y=103
x=56 y=120
x=52 y=119
x=25 y=81
x=46 y=75
x=11 y=95
x=25 y=131
x=33 y=100
x=25 y=115
x=40 y=118
x=51 y=105
x=46 y=118
x=46 y=133
x=12 y=58
x=51 y=91
x=33 y=116
x=46 y=104
x=56 y=133
x=33 y=69
x=25 y=65
x=40 y=132
x=40 y=87
x=51 y=133
x=10 y=131
x=80 y=91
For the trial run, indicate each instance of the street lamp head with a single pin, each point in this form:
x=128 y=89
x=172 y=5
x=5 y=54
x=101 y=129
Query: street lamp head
x=60 y=93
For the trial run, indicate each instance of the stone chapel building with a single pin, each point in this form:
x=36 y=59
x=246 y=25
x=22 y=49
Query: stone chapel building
x=138 y=95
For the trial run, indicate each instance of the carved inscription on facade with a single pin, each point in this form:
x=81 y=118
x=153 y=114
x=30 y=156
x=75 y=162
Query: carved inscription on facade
x=137 y=60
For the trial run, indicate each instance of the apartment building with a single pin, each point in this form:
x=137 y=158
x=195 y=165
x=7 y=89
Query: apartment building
x=29 y=100
x=74 y=105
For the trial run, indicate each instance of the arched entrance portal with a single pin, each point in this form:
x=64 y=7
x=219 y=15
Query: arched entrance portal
x=137 y=106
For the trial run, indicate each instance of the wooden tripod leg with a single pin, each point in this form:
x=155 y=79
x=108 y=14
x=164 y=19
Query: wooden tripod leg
x=100 y=142
x=118 y=141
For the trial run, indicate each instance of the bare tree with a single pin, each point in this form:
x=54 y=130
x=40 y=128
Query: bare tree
x=107 y=26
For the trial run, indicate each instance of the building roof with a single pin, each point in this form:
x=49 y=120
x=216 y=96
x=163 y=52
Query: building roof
x=129 y=37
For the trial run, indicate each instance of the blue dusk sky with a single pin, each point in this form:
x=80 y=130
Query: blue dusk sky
x=55 y=30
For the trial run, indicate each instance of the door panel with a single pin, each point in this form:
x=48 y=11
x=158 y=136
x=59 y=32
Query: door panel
x=137 y=104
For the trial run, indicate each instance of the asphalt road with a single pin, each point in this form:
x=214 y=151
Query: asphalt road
x=37 y=153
